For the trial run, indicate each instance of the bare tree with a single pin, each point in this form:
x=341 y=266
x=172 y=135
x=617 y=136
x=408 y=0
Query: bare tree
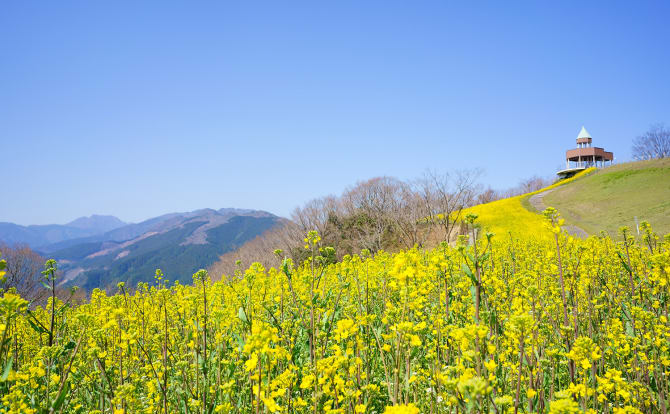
x=379 y=213
x=531 y=184
x=446 y=195
x=409 y=216
x=488 y=195
x=285 y=236
x=316 y=215
x=366 y=209
x=655 y=143
x=525 y=186
x=24 y=267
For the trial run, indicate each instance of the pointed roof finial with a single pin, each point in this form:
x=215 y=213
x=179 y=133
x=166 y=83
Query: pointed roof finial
x=583 y=133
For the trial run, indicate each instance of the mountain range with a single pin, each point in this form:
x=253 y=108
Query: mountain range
x=42 y=235
x=100 y=251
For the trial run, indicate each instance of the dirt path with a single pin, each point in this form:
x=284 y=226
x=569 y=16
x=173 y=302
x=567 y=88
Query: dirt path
x=537 y=201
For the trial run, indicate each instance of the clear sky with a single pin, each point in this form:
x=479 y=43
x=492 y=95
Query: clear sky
x=141 y=108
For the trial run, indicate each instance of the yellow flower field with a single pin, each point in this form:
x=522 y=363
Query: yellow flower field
x=542 y=323
x=508 y=215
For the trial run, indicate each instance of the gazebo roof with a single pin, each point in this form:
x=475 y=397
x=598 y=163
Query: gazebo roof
x=583 y=133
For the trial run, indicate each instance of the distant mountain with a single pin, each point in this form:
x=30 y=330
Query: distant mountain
x=37 y=236
x=127 y=232
x=177 y=243
x=97 y=223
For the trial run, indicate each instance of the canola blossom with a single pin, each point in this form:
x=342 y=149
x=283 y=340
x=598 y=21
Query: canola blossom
x=491 y=324
x=509 y=214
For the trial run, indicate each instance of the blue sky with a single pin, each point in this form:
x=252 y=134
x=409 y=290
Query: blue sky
x=141 y=108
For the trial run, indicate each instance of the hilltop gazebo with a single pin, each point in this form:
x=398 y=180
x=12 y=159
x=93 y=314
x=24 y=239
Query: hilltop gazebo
x=584 y=156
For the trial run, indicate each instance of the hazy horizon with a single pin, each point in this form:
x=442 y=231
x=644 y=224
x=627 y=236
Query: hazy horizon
x=126 y=221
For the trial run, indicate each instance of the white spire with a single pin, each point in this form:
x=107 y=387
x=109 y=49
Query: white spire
x=583 y=133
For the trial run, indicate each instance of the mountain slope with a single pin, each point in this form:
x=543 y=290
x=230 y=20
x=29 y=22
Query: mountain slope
x=178 y=243
x=97 y=223
x=612 y=197
x=127 y=232
x=37 y=236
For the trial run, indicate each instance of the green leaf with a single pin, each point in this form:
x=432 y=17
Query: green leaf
x=240 y=341
x=36 y=327
x=242 y=315
x=61 y=398
x=8 y=368
x=284 y=268
x=46 y=285
x=623 y=262
x=472 y=259
x=624 y=309
x=62 y=309
x=468 y=272
x=324 y=321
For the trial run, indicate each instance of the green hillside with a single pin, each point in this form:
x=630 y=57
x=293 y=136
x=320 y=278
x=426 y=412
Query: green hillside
x=167 y=250
x=612 y=197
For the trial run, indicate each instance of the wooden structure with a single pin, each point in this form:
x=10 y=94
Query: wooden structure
x=584 y=156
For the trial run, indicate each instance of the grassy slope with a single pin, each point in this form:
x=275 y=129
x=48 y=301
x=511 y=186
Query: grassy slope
x=512 y=215
x=613 y=197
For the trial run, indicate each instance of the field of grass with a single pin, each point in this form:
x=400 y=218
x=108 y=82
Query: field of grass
x=613 y=197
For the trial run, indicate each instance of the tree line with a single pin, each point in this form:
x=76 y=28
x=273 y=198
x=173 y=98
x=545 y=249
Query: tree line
x=655 y=143
x=382 y=213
